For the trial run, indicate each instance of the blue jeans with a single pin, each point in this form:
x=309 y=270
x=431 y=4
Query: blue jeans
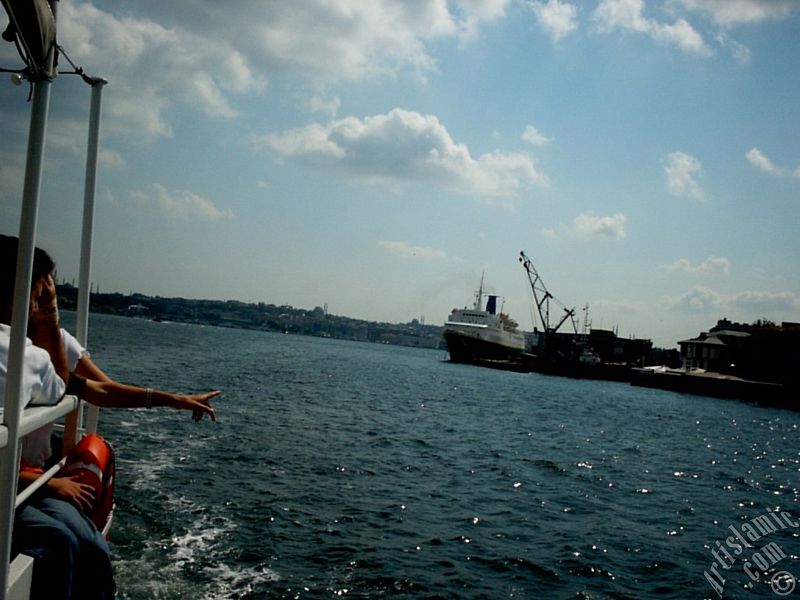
x=71 y=559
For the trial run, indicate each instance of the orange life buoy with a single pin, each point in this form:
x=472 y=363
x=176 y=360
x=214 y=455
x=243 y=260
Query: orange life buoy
x=92 y=460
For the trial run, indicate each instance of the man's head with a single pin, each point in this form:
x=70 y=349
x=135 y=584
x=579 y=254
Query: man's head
x=43 y=265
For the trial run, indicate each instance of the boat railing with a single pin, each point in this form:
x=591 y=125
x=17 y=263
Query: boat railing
x=16 y=573
x=20 y=571
x=34 y=418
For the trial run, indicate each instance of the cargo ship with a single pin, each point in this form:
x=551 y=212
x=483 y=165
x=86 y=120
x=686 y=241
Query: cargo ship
x=486 y=337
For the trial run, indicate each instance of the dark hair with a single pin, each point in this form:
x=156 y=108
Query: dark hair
x=43 y=265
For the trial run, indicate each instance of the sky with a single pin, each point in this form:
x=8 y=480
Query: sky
x=382 y=157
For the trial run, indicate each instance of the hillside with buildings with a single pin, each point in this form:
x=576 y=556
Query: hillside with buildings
x=264 y=317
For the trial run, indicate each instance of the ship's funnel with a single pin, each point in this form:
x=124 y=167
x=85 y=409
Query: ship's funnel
x=491 y=305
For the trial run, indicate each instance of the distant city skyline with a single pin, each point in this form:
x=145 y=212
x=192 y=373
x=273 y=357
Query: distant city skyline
x=379 y=157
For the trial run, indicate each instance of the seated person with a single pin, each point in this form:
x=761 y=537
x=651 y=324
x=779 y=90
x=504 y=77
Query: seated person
x=71 y=558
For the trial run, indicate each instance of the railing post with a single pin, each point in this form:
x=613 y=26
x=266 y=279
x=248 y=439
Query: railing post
x=87 y=237
x=13 y=401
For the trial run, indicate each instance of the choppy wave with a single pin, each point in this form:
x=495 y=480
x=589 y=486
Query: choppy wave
x=365 y=471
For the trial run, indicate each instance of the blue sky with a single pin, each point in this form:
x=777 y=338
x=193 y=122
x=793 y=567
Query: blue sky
x=380 y=156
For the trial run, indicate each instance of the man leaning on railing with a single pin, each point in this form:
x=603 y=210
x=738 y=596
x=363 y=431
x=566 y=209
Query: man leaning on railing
x=71 y=558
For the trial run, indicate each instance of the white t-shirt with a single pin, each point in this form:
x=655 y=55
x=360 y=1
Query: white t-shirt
x=41 y=385
x=72 y=349
x=36 y=445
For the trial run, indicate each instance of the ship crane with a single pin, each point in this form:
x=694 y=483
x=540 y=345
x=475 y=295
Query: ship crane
x=542 y=298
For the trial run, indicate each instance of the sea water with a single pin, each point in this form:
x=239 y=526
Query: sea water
x=345 y=469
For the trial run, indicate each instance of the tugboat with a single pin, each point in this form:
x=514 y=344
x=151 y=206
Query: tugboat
x=482 y=336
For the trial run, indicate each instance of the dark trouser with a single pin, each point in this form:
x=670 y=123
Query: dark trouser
x=71 y=559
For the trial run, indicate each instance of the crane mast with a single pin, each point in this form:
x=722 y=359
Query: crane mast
x=542 y=298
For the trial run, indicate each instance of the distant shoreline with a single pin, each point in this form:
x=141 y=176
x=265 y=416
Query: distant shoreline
x=257 y=316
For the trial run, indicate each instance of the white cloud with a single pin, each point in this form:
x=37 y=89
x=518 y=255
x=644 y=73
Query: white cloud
x=766 y=302
x=549 y=233
x=681 y=170
x=406 y=146
x=625 y=14
x=591 y=224
x=207 y=56
x=473 y=13
x=330 y=41
x=760 y=161
x=682 y=35
x=67 y=139
x=698 y=299
x=179 y=204
x=109 y=159
x=739 y=51
x=747 y=305
x=329 y=106
x=11 y=182
x=150 y=67
x=310 y=143
x=557 y=18
x=728 y=13
x=409 y=251
x=534 y=137
x=628 y=14
x=713 y=264
x=484 y=10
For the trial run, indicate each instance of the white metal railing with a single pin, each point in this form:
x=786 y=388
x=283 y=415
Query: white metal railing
x=87 y=232
x=13 y=401
x=39 y=482
x=34 y=418
x=16 y=576
x=20 y=569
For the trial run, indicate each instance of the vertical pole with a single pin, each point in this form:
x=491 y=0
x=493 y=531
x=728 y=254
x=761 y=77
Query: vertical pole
x=87 y=235
x=13 y=401
x=84 y=281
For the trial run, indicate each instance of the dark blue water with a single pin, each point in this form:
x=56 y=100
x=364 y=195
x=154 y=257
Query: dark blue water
x=342 y=469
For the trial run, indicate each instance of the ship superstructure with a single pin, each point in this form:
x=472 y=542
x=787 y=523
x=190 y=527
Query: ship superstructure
x=482 y=334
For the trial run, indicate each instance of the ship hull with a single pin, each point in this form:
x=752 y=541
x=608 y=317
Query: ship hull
x=475 y=347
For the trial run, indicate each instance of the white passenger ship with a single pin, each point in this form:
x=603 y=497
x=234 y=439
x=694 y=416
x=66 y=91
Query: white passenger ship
x=483 y=335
